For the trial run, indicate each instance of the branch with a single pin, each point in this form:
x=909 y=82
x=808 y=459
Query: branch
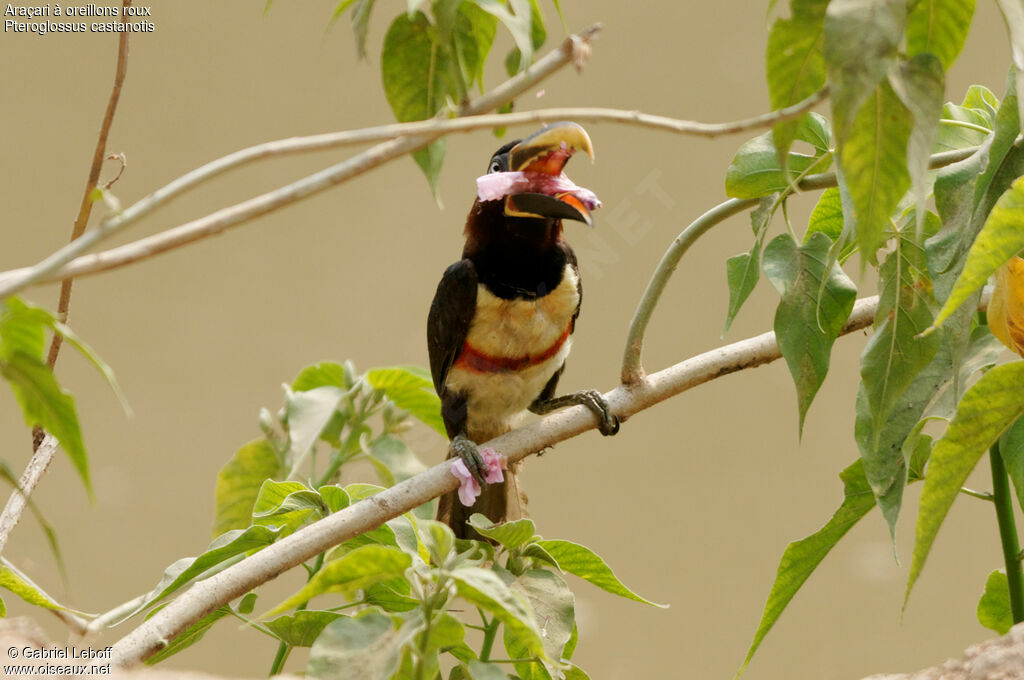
x=214 y=223
x=625 y=400
x=98 y=155
x=148 y=247
x=632 y=369
x=45 y=446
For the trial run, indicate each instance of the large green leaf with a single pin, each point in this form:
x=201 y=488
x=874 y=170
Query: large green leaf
x=994 y=606
x=755 y=170
x=360 y=568
x=802 y=557
x=367 y=647
x=1000 y=239
x=894 y=354
x=583 y=562
x=411 y=389
x=485 y=589
x=817 y=298
x=416 y=72
x=874 y=163
x=933 y=393
x=986 y=410
x=21 y=585
x=239 y=482
x=939 y=27
x=472 y=40
x=46 y=404
x=795 y=63
x=861 y=37
x=553 y=607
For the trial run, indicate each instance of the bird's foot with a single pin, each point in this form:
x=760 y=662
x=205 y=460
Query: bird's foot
x=607 y=422
x=469 y=452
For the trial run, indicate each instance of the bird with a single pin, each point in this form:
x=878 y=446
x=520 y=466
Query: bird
x=500 y=325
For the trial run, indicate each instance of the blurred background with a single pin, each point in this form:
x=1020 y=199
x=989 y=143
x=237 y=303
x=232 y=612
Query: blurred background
x=692 y=503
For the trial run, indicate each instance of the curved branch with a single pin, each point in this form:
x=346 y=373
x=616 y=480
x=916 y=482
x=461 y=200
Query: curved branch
x=361 y=517
x=53 y=266
x=187 y=233
x=632 y=369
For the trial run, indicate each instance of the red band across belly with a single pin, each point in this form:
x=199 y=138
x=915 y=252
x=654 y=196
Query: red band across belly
x=472 y=359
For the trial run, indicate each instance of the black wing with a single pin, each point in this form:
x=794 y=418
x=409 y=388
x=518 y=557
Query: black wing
x=451 y=313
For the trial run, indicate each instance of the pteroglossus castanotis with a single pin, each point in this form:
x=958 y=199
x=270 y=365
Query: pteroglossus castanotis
x=500 y=326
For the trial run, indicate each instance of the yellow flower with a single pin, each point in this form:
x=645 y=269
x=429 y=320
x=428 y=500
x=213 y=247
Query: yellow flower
x=1006 y=310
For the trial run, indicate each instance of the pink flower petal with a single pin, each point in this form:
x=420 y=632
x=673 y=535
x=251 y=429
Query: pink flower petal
x=469 y=488
x=495 y=463
x=495 y=185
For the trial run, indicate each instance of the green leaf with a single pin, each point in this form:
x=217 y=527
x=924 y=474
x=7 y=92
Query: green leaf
x=1000 y=239
x=933 y=393
x=415 y=69
x=325 y=373
x=44 y=403
x=1011 y=448
x=514 y=62
x=438 y=539
x=485 y=589
x=795 y=64
x=986 y=410
x=583 y=562
x=361 y=24
x=366 y=647
x=339 y=9
x=216 y=558
x=742 y=272
x=827 y=216
x=953 y=137
x=994 y=606
x=511 y=534
x=192 y=635
x=802 y=557
x=308 y=414
x=358 y=569
x=239 y=482
x=939 y=27
x=874 y=164
x=391 y=595
x=412 y=390
x=21 y=585
x=554 y=613
x=20 y=318
x=473 y=37
x=861 y=38
x=814 y=306
x=302 y=628
x=894 y=354
x=920 y=84
x=755 y=171
x=516 y=16
x=1013 y=14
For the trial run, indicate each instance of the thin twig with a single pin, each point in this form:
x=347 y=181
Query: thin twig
x=148 y=247
x=43 y=446
x=98 y=155
x=632 y=368
x=358 y=518
x=12 y=282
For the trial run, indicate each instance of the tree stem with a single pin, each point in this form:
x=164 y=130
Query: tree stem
x=490 y=631
x=1007 y=533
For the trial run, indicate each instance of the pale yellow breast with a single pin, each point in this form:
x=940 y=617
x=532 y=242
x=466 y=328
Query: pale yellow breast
x=513 y=328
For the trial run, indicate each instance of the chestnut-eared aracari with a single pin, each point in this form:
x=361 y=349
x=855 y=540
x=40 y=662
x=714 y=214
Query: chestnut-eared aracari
x=500 y=325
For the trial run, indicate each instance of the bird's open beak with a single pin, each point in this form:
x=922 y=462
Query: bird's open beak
x=547 y=151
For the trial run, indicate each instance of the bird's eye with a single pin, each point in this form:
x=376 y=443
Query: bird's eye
x=495 y=167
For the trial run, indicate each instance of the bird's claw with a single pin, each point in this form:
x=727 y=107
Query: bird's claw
x=607 y=422
x=469 y=452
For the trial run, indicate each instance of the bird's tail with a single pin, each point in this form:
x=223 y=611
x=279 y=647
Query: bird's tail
x=499 y=502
